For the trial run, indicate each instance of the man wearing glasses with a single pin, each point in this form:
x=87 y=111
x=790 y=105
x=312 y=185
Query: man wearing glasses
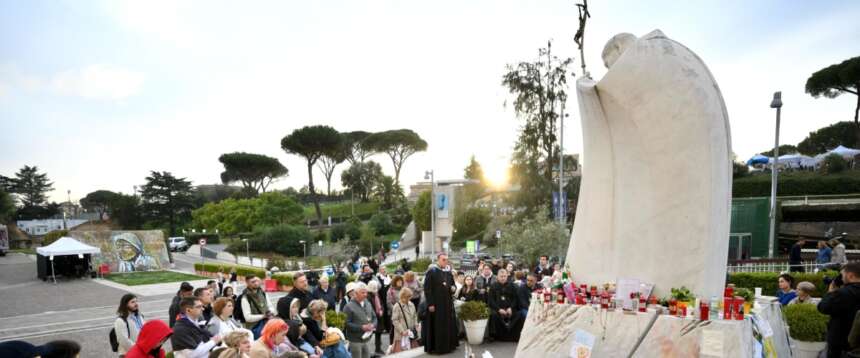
x=189 y=339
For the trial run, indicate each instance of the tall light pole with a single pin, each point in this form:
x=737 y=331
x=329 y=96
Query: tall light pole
x=774 y=169
x=561 y=197
x=429 y=175
x=248 y=252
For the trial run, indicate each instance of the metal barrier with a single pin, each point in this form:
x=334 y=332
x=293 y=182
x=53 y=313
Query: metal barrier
x=777 y=267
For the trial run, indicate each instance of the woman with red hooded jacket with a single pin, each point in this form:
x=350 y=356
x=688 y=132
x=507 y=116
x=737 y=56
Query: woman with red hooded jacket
x=152 y=335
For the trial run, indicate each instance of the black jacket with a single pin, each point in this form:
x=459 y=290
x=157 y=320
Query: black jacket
x=173 y=311
x=841 y=305
x=524 y=294
x=284 y=302
x=503 y=296
x=329 y=296
x=794 y=256
x=187 y=335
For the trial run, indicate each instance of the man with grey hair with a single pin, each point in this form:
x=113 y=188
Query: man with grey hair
x=360 y=322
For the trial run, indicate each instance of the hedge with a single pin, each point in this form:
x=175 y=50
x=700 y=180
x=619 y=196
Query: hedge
x=798 y=184
x=768 y=281
x=240 y=270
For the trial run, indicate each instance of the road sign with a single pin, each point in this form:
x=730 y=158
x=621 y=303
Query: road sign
x=395 y=245
x=498 y=234
x=202 y=242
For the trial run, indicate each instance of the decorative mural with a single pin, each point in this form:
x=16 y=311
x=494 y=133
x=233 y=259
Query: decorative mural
x=127 y=251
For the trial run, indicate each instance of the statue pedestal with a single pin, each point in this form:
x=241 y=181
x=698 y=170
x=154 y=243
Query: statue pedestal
x=551 y=330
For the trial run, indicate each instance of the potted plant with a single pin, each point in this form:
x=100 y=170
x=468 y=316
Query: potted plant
x=474 y=315
x=683 y=294
x=749 y=298
x=807 y=327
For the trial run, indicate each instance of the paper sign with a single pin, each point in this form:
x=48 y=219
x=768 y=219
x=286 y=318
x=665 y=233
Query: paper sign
x=583 y=342
x=623 y=288
x=763 y=326
x=712 y=343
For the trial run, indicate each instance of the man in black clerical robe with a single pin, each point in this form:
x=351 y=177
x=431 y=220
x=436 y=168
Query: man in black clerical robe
x=506 y=320
x=439 y=331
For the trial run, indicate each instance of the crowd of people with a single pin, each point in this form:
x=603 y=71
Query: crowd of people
x=830 y=255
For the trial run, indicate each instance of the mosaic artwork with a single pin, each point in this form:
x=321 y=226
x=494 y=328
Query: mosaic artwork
x=127 y=251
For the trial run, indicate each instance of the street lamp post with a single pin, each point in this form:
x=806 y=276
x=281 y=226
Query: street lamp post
x=776 y=103
x=248 y=252
x=429 y=175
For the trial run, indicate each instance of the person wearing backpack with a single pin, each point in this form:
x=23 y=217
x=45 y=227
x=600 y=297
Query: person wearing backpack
x=127 y=325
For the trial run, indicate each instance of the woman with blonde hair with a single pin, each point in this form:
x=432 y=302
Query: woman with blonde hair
x=410 y=280
x=404 y=318
x=273 y=342
x=238 y=345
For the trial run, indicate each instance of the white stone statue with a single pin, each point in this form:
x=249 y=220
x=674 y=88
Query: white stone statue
x=656 y=182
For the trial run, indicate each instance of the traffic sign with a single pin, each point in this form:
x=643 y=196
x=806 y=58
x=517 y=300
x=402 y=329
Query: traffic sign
x=395 y=245
x=202 y=242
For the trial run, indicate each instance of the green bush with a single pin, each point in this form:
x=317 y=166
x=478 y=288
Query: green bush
x=798 y=183
x=769 y=284
x=240 y=270
x=473 y=311
x=382 y=224
x=282 y=239
x=833 y=163
x=349 y=229
x=421 y=265
x=334 y=319
x=53 y=236
x=276 y=262
x=284 y=279
x=805 y=322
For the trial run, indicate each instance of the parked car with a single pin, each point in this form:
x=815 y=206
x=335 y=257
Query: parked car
x=470 y=261
x=177 y=244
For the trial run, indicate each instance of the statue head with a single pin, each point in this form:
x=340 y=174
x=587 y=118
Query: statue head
x=616 y=46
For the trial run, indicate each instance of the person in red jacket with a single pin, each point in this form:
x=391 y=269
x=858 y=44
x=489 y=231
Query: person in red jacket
x=152 y=335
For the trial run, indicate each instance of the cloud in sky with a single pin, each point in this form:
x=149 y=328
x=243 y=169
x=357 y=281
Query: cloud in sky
x=97 y=82
x=169 y=85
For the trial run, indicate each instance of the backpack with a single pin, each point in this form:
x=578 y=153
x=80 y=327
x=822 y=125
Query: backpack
x=114 y=343
x=237 y=308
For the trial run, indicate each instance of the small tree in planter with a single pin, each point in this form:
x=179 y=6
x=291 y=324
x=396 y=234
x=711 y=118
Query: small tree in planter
x=807 y=327
x=474 y=315
x=334 y=319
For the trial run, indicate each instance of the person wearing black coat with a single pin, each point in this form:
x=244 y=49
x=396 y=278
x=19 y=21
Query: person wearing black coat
x=326 y=293
x=524 y=292
x=506 y=320
x=842 y=304
x=299 y=291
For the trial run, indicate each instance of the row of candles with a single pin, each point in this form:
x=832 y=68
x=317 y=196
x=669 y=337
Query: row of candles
x=733 y=306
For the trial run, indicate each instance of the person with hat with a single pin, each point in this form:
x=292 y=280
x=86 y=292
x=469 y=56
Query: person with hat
x=350 y=287
x=360 y=321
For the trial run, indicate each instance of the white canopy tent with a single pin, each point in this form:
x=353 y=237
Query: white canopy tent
x=65 y=246
x=845 y=152
x=794 y=160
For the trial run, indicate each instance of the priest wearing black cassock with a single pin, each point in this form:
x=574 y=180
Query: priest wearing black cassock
x=439 y=331
x=506 y=320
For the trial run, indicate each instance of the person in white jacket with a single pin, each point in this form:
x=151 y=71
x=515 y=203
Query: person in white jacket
x=128 y=323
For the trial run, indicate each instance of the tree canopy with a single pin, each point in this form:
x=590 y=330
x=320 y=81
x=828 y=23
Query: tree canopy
x=361 y=178
x=356 y=149
x=99 y=200
x=539 y=90
x=422 y=210
x=7 y=207
x=234 y=216
x=329 y=161
x=835 y=80
x=313 y=142
x=387 y=192
x=827 y=138
x=30 y=186
x=398 y=144
x=255 y=171
x=783 y=150
x=473 y=191
x=167 y=200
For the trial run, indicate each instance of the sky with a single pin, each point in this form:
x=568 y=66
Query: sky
x=99 y=93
